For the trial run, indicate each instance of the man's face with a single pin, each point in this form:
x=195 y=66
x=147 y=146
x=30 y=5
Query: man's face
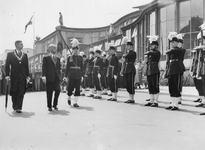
x=97 y=54
x=179 y=44
x=152 y=46
x=129 y=47
x=53 y=49
x=174 y=44
x=75 y=51
x=19 y=46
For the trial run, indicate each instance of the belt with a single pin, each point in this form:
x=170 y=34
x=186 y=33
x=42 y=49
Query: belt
x=174 y=60
x=97 y=66
x=111 y=66
x=74 y=67
x=129 y=62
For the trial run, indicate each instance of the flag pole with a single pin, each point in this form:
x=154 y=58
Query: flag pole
x=34 y=30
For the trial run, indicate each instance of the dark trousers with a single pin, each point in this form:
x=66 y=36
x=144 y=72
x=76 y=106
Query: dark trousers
x=112 y=84
x=153 y=83
x=17 y=102
x=96 y=82
x=104 y=81
x=129 y=81
x=175 y=85
x=203 y=83
x=50 y=88
x=74 y=84
x=84 y=82
x=90 y=80
x=199 y=86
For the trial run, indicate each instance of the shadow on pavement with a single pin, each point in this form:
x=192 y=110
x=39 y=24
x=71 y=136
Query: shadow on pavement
x=85 y=107
x=24 y=114
x=59 y=112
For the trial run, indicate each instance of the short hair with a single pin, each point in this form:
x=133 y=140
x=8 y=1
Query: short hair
x=17 y=42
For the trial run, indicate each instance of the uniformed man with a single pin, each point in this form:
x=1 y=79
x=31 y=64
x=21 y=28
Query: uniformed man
x=130 y=71
x=180 y=45
x=104 y=74
x=84 y=82
x=89 y=74
x=175 y=69
x=153 y=71
x=112 y=73
x=97 y=71
x=73 y=72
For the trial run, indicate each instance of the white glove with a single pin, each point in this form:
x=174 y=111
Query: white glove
x=28 y=79
x=44 y=79
x=81 y=79
x=99 y=76
x=7 y=78
x=115 y=77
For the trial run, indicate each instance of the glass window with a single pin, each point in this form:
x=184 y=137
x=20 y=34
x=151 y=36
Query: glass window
x=187 y=44
x=184 y=9
x=196 y=7
x=184 y=25
x=170 y=26
x=170 y=12
x=163 y=14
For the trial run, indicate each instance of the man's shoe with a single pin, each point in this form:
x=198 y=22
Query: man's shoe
x=202 y=113
x=147 y=99
x=82 y=94
x=18 y=111
x=200 y=105
x=69 y=102
x=49 y=109
x=179 y=102
x=154 y=105
x=104 y=93
x=113 y=100
x=110 y=94
x=75 y=105
x=91 y=95
x=109 y=99
x=169 y=107
x=130 y=102
x=55 y=108
x=175 y=108
x=198 y=100
x=148 y=104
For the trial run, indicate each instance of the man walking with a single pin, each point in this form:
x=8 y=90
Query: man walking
x=18 y=72
x=51 y=76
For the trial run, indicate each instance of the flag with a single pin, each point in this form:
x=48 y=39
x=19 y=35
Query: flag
x=61 y=19
x=29 y=23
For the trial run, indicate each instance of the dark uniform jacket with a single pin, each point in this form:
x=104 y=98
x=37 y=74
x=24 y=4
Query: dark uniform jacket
x=202 y=61
x=175 y=61
x=97 y=65
x=51 y=68
x=130 y=58
x=104 y=67
x=16 y=67
x=90 y=65
x=153 y=61
x=113 y=65
x=194 y=63
x=74 y=67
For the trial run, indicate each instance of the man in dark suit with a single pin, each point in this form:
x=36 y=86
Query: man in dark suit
x=130 y=71
x=51 y=76
x=18 y=72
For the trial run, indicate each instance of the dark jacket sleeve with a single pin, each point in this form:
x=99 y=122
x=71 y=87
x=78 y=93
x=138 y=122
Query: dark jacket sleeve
x=8 y=63
x=116 y=66
x=44 y=67
x=27 y=68
x=67 y=67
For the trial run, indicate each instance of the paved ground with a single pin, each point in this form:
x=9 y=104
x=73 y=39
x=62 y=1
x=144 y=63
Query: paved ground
x=103 y=125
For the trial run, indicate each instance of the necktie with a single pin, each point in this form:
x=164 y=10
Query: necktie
x=54 y=58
